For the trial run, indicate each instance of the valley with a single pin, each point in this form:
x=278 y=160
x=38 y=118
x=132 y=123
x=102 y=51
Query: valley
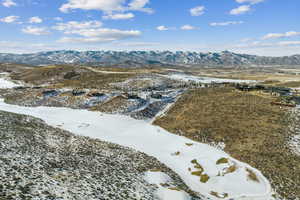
x=206 y=131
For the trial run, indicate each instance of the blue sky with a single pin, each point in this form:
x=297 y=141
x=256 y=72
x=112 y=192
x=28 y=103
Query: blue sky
x=263 y=27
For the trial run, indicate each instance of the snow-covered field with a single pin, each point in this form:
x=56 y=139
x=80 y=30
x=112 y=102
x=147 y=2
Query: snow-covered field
x=186 y=77
x=182 y=155
x=5 y=83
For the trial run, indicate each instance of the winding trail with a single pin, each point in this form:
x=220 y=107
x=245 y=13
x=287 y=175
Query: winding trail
x=175 y=151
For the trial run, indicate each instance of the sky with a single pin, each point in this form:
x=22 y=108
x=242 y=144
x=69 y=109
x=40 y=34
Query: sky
x=260 y=27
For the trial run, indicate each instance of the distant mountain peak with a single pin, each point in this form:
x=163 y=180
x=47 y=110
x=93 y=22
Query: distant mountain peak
x=142 y=58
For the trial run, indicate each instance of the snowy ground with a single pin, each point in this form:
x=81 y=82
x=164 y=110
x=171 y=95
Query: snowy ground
x=5 y=82
x=180 y=154
x=109 y=72
x=186 y=77
x=164 y=193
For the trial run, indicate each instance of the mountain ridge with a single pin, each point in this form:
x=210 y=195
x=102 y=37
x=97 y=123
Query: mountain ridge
x=146 y=58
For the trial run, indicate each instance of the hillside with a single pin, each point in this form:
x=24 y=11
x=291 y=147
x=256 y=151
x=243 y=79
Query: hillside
x=147 y=58
x=158 y=112
x=41 y=162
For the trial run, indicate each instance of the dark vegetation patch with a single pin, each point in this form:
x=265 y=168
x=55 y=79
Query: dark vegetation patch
x=116 y=104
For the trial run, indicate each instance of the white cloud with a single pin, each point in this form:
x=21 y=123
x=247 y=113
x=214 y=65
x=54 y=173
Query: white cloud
x=22 y=47
x=289 y=43
x=281 y=35
x=140 y=5
x=8 y=3
x=99 y=35
x=162 y=28
x=226 y=23
x=103 y=5
x=107 y=6
x=9 y=19
x=256 y=44
x=84 y=40
x=119 y=16
x=115 y=34
x=246 y=39
x=92 y=31
x=138 y=44
x=35 y=30
x=250 y=1
x=197 y=11
x=187 y=27
x=71 y=25
x=35 y=20
x=240 y=10
x=57 y=18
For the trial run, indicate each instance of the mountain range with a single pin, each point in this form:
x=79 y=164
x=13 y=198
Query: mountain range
x=146 y=58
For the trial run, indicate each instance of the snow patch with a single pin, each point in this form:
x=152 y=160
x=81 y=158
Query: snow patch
x=157 y=178
x=187 y=78
x=5 y=83
x=170 y=194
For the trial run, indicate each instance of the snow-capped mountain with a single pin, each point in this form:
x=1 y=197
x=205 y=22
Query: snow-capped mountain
x=136 y=58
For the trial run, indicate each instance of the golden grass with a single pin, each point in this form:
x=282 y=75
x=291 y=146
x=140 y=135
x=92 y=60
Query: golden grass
x=82 y=77
x=216 y=194
x=251 y=175
x=94 y=80
x=196 y=173
x=269 y=76
x=174 y=188
x=291 y=84
x=222 y=161
x=127 y=70
x=204 y=178
x=155 y=170
x=197 y=165
x=252 y=129
x=223 y=115
x=231 y=169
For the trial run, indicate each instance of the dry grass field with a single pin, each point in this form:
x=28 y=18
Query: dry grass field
x=127 y=70
x=70 y=76
x=253 y=130
x=291 y=84
x=271 y=76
